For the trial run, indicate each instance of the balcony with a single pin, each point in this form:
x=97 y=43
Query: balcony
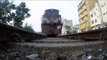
x=82 y=9
x=81 y=4
x=83 y=15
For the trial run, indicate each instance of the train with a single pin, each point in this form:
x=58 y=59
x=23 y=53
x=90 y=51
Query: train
x=51 y=23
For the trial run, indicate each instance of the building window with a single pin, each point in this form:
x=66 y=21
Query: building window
x=102 y=5
x=103 y=13
x=96 y=9
x=99 y=27
x=92 y=22
x=91 y=15
x=94 y=13
x=95 y=20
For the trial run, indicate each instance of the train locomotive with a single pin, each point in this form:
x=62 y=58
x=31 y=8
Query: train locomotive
x=51 y=23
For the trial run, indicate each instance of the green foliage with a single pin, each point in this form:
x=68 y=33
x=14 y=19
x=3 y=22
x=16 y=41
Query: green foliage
x=67 y=27
x=28 y=27
x=74 y=31
x=19 y=14
x=5 y=11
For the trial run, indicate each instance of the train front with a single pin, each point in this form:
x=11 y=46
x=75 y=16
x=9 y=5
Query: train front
x=51 y=22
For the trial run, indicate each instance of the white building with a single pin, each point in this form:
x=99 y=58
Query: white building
x=66 y=23
x=98 y=15
x=103 y=7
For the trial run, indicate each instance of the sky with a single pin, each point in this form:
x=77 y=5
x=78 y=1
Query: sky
x=68 y=9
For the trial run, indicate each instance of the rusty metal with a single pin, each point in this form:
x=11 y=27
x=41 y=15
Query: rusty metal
x=51 y=22
x=51 y=30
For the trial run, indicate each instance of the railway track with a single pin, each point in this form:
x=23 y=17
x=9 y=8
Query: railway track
x=59 y=42
x=98 y=34
x=10 y=33
x=7 y=33
x=52 y=48
x=74 y=44
x=61 y=45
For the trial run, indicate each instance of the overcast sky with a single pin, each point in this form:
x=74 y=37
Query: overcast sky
x=68 y=10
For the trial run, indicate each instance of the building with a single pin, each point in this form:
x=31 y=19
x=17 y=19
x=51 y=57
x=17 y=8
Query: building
x=84 y=8
x=66 y=28
x=98 y=15
x=103 y=7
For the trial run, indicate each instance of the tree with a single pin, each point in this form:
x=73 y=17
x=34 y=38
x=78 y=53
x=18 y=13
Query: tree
x=28 y=27
x=19 y=14
x=5 y=11
x=68 y=28
x=74 y=31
